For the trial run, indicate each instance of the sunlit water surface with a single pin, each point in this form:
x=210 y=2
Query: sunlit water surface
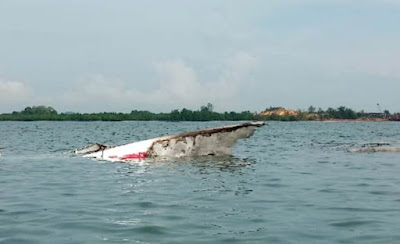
x=289 y=183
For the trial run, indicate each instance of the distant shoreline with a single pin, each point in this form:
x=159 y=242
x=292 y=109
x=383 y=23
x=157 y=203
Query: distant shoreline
x=205 y=113
x=323 y=121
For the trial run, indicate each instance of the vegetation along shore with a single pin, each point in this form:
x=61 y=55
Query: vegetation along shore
x=205 y=113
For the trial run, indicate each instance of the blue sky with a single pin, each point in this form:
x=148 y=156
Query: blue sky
x=103 y=55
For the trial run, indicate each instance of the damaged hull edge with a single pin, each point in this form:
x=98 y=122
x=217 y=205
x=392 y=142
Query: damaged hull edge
x=215 y=141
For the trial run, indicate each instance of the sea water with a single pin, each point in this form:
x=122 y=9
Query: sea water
x=288 y=183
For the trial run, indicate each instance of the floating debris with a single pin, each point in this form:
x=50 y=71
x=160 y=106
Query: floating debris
x=375 y=147
x=214 y=141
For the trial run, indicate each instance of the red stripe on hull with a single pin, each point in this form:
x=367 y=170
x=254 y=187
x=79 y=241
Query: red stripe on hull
x=141 y=155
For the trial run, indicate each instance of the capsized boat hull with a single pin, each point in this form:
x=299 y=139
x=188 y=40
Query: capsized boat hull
x=214 y=141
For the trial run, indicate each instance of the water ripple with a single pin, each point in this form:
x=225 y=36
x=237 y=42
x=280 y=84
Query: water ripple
x=289 y=183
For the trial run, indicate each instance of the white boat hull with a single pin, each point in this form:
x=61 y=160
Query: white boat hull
x=215 y=141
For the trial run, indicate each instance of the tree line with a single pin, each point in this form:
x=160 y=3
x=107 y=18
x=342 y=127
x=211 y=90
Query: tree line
x=341 y=112
x=205 y=113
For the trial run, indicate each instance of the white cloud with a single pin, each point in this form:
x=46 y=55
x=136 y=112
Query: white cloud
x=13 y=91
x=100 y=93
x=182 y=86
x=14 y=95
x=178 y=82
x=179 y=87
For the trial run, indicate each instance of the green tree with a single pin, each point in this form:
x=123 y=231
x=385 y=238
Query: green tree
x=311 y=109
x=39 y=110
x=387 y=113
